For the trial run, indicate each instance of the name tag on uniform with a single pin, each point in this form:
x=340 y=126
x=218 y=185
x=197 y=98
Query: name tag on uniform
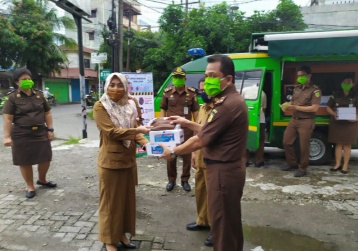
x=186 y=110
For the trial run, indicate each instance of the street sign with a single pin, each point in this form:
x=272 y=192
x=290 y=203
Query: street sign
x=104 y=73
x=98 y=58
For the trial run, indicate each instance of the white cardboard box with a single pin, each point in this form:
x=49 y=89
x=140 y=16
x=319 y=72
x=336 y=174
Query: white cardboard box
x=155 y=149
x=346 y=113
x=172 y=136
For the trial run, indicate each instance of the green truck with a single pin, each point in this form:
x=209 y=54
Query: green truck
x=272 y=64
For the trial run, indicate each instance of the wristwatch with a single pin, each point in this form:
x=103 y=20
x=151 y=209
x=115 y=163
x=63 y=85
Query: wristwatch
x=50 y=129
x=172 y=154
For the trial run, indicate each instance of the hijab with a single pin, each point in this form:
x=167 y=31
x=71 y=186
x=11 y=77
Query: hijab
x=121 y=113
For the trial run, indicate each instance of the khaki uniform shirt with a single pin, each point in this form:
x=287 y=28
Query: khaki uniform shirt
x=203 y=115
x=112 y=153
x=305 y=95
x=27 y=110
x=225 y=132
x=183 y=104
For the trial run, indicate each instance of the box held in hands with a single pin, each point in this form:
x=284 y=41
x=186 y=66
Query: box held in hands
x=173 y=136
x=155 y=149
x=346 y=113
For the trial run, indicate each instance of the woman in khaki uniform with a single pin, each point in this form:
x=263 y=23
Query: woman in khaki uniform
x=343 y=133
x=116 y=120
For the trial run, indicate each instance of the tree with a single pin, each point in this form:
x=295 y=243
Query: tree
x=34 y=22
x=10 y=44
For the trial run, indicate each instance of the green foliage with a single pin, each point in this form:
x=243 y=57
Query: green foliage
x=30 y=28
x=71 y=141
x=216 y=29
x=11 y=45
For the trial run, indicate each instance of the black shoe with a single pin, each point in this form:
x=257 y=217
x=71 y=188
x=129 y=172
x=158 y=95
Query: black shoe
x=130 y=245
x=195 y=227
x=186 y=186
x=344 y=172
x=50 y=184
x=170 y=186
x=30 y=194
x=335 y=169
x=248 y=163
x=300 y=173
x=208 y=241
x=289 y=168
x=260 y=164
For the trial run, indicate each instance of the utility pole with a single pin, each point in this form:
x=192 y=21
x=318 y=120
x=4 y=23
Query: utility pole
x=120 y=33
x=78 y=14
x=113 y=41
x=129 y=36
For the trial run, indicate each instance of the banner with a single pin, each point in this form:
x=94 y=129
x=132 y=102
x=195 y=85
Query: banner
x=140 y=86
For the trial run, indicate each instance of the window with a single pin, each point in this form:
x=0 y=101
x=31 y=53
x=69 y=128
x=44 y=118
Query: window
x=86 y=62
x=91 y=35
x=93 y=13
x=247 y=83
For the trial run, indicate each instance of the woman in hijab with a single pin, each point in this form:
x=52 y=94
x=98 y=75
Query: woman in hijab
x=116 y=120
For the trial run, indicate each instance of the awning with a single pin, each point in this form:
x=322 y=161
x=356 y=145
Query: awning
x=309 y=43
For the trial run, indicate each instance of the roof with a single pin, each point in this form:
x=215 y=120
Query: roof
x=74 y=73
x=314 y=43
x=85 y=49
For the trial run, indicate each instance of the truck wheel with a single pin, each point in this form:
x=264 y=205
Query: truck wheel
x=320 y=149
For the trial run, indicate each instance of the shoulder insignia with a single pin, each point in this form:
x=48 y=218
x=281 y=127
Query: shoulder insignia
x=38 y=90
x=219 y=100
x=167 y=89
x=316 y=86
x=212 y=113
x=9 y=92
x=317 y=93
x=191 y=89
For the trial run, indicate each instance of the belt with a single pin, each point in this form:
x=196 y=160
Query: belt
x=33 y=127
x=212 y=161
x=301 y=118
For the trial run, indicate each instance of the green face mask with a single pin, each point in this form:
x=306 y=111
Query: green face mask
x=212 y=86
x=346 y=86
x=302 y=80
x=178 y=82
x=26 y=84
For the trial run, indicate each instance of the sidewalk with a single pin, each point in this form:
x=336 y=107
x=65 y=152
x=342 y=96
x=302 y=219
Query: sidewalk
x=322 y=207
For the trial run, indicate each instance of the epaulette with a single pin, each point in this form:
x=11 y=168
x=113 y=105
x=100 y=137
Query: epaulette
x=191 y=89
x=316 y=86
x=9 y=92
x=38 y=90
x=219 y=100
x=167 y=89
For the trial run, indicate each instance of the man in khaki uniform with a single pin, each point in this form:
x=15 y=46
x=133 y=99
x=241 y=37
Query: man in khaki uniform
x=181 y=101
x=203 y=221
x=305 y=102
x=223 y=139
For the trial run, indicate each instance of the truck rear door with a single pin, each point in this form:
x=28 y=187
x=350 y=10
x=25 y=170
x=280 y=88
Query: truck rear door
x=250 y=83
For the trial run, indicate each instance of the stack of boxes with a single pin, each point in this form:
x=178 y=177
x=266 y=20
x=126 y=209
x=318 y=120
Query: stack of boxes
x=170 y=138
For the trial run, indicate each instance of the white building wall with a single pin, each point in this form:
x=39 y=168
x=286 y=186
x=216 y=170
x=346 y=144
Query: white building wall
x=332 y=16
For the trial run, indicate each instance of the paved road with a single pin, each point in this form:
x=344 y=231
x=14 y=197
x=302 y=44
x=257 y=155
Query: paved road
x=318 y=212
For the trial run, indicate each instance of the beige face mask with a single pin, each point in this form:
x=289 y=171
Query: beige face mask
x=115 y=95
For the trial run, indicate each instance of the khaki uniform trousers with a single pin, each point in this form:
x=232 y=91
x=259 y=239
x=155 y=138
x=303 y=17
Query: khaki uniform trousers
x=172 y=164
x=226 y=184
x=201 y=196
x=301 y=128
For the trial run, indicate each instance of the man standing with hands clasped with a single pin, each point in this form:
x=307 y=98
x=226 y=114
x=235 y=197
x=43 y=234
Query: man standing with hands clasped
x=181 y=101
x=223 y=141
x=305 y=102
